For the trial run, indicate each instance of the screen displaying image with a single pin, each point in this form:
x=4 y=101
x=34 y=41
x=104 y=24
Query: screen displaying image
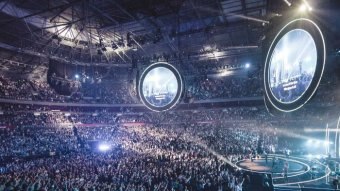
x=292 y=66
x=160 y=87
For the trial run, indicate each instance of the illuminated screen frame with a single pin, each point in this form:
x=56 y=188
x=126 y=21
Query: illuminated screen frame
x=179 y=87
x=312 y=28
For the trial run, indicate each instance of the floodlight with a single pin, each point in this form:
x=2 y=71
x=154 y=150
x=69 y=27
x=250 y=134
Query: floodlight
x=104 y=147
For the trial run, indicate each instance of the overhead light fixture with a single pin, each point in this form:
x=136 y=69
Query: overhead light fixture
x=287 y=2
x=303 y=8
x=129 y=39
x=120 y=42
x=114 y=46
x=56 y=39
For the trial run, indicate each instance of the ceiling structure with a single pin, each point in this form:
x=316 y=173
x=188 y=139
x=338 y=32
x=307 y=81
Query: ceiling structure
x=105 y=30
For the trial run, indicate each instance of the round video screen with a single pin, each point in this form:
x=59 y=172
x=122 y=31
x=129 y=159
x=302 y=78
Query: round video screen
x=160 y=86
x=294 y=65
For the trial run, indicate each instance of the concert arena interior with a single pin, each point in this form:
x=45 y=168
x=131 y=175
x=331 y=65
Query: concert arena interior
x=169 y=95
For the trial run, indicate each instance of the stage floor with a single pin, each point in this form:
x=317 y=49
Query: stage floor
x=260 y=165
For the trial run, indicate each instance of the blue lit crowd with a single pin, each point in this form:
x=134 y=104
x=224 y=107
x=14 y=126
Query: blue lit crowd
x=54 y=152
x=123 y=93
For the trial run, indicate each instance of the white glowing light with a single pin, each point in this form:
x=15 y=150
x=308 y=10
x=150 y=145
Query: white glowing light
x=247 y=65
x=303 y=8
x=104 y=147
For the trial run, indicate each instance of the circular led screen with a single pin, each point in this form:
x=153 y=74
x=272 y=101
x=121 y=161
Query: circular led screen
x=160 y=86
x=294 y=65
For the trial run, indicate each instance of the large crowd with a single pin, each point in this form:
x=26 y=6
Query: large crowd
x=42 y=149
x=25 y=89
x=122 y=93
x=52 y=151
x=115 y=89
x=205 y=88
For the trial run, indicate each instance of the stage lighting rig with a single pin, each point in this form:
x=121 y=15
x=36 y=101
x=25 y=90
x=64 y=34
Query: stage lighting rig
x=120 y=42
x=129 y=41
x=114 y=46
x=288 y=3
x=305 y=7
x=56 y=39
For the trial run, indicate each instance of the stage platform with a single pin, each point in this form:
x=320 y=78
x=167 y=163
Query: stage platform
x=301 y=170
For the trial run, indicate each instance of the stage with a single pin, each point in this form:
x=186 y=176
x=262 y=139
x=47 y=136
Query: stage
x=300 y=170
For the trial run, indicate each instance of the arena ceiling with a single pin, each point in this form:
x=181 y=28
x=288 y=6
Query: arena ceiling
x=104 y=31
x=82 y=29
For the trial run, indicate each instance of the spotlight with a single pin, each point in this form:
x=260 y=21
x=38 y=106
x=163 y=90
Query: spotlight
x=303 y=8
x=247 y=65
x=120 y=43
x=76 y=76
x=104 y=147
x=114 y=46
x=287 y=2
x=129 y=39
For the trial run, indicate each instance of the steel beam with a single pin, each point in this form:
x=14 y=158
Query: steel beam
x=103 y=14
x=5 y=4
x=38 y=13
